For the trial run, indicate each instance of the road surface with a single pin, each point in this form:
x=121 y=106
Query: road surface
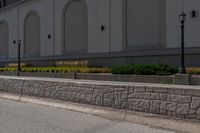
x=18 y=117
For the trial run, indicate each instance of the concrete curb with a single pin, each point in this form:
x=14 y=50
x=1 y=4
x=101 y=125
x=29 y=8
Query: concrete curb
x=151 y=120
x=177 y=79
x=101 y=77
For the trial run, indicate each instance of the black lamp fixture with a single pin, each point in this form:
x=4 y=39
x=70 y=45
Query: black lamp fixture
x=182 y=18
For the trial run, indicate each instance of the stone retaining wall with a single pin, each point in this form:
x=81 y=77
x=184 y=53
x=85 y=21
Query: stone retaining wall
x=168 y=100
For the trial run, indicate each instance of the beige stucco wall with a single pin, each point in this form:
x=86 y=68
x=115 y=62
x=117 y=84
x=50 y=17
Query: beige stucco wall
x=10 y=17
x=44 y=9
x=122 y=24
x=98 y=14
x=192 y=24
x=143 y=22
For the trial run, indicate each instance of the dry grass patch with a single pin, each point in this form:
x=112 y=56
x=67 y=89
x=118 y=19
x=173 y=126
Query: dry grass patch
x=59 y=69
x=193 y=70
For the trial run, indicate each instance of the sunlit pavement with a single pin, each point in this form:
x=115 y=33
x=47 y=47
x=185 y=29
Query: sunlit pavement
x=18 y=117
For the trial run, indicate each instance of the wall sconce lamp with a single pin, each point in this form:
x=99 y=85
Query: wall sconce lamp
x=49 y=36
x=102 y=28
x=194 y=14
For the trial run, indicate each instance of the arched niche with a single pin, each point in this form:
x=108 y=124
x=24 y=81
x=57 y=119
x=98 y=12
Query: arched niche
x=32 y=35
x=4 y=39
x=75 y=27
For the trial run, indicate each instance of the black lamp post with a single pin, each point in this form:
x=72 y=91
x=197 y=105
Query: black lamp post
x=182 y=18
x=19 y=58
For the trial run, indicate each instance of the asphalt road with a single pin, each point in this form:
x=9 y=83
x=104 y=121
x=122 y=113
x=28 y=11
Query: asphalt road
x=17 y=117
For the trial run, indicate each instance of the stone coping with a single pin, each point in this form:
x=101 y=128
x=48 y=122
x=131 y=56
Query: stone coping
x=179 y=79
x=97 y=82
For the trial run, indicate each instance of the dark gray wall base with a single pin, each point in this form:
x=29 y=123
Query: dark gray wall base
x=168 y=100
x=166 y=56
x=191 y=60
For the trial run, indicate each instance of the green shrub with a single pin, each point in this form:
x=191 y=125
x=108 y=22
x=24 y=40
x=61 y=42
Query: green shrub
x=141 y=69
x=137 y=69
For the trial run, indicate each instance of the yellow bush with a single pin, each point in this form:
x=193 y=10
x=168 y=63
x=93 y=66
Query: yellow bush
x=193 y=70
x=72 y=63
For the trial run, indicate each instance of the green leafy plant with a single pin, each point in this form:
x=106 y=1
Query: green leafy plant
x=141 y=69
x=137 y=69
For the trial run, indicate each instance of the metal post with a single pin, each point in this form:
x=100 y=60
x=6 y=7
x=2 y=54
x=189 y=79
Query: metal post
x=19 y=58
x=182 y=20
x=182 y=69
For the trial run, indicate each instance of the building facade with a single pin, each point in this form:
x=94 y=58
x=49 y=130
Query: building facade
x=104 y=32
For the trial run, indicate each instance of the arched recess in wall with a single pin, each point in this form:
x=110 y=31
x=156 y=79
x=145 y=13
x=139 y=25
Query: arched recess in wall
x=4 y=39
x=75 y=27
x=32 y=35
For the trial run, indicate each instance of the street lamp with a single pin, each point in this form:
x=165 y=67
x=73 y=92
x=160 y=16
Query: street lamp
x=19 y=58
x=182 y=18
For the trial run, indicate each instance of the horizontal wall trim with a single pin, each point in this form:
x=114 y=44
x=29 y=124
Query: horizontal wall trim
x=142 y=53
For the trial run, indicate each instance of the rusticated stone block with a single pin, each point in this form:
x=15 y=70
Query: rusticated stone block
x=161 y=90
x=151 y=96
x=191 y=117
x=168 y=106
x=192 y=112
x=193 y=92
x=12 y=86
x=135 y=96
x=154 y=106
x=180 y=91
x=124 y=95
x=183 y=109
x=195 y=103
x=149 y=89
x=108 y=102
x=198 y=112
x=88 y=98
x=34 y=88
x=180 y=99
x=117 y=95
x=109 y=95
x=171 y=113
x=86 y=91
x=142 y=110
x=138 y=89
x=139 y=103
x=163 y=112
x=165 y=97
x=130 y=89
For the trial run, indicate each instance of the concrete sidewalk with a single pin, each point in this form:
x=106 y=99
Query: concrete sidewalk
x=153 y=121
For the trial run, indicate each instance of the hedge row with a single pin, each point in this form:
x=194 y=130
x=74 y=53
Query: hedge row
x=137 y=69
x=141 y=69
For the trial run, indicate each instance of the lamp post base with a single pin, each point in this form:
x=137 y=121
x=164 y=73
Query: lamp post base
x=182 y=70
